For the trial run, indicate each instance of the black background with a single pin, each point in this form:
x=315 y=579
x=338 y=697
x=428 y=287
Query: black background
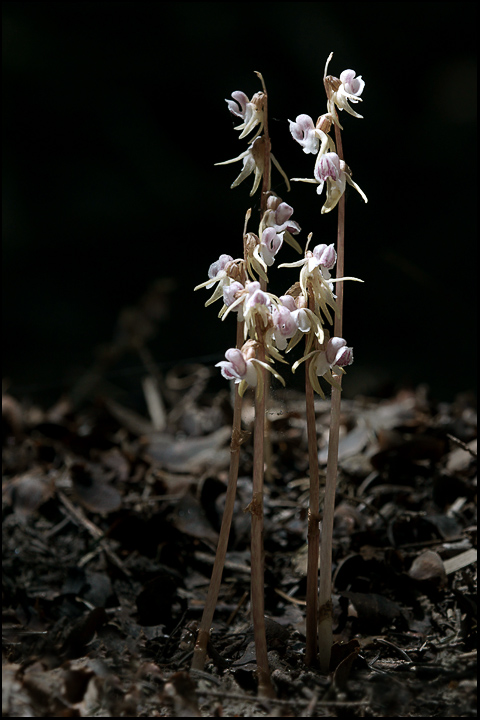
x=114 y=114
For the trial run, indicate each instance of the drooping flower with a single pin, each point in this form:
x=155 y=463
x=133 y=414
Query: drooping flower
x=221 y=273
x=289 y=321
x=335 y=356
x=278 y=215
x=313 y=138
x=250 y=111
x=238 y=367
x=230 y=295
x=343 y=90
x=244 y=369
x=217 y=268
x=254 y=162
x=327 y=363
x=270 y=244
x=303 y=131
x=336 y=174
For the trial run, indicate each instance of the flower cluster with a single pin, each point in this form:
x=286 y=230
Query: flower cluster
x=278 y=323
x=329 y=169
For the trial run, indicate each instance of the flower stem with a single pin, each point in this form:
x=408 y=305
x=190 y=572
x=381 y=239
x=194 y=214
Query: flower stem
x=265 y=688
x=325 y=627
x=200 y=651
x=313 y=531
x=257 y=588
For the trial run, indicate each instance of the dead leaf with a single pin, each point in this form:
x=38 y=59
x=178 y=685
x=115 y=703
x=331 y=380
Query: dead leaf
x=191 y=454
x=428 y=566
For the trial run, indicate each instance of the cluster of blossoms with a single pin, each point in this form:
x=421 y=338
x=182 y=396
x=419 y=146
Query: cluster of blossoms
x=279 y=323
x=329 y=169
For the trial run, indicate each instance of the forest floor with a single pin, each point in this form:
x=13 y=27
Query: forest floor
x=110 y=523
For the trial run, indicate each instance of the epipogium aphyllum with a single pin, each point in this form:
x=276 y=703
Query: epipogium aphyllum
x=268 y=328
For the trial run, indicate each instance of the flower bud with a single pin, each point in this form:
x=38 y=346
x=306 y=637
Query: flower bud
x=324 y=123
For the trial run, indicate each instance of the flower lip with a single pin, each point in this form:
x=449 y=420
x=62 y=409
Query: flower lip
x=328 y=167
x=219 y=265
x=352 y=85
x=326 y=255
x=303 y=131
x=270 y=245
x=337 y=353
x=238 y=105
x=230 y=291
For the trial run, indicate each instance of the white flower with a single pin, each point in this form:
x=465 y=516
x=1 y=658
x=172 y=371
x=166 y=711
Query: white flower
x=351 y=86
x=236 y=367
x=342 y=91
x=244 y=369
x=288 y=320
x=220 y=274
x=335 y=356
x=254 y=162
x=336 y=174
x=312 y=137
x=216 y=270
x=278 y=215
x=270 y=244
x=303 y=131
x=327 y=363
x=251 y=112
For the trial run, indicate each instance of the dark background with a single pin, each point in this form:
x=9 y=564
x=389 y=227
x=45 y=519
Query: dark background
x=114 y=114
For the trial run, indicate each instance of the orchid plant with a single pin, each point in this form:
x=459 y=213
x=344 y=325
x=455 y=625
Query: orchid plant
x=270 y=326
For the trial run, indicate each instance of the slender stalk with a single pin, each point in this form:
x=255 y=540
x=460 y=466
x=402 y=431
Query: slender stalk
x=266 y=184
x=265 y=688
x=325 y=628
x=200 y=651
x=313 y=531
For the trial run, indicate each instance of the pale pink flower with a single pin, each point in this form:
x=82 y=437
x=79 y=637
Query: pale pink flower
x=303 y=131
x=344 y=90
x=270 y=244
x=236 y=367
x=351 y=86
x=250 y=111
x=335 y=356
x=278 y=215
x=217 y=269
x=288 y=320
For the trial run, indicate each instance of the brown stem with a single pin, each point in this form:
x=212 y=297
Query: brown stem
x=200 y=651
x=267 y=151
x=265 y=688
x=313 y=531
x=325 y=628
x=266 y=184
